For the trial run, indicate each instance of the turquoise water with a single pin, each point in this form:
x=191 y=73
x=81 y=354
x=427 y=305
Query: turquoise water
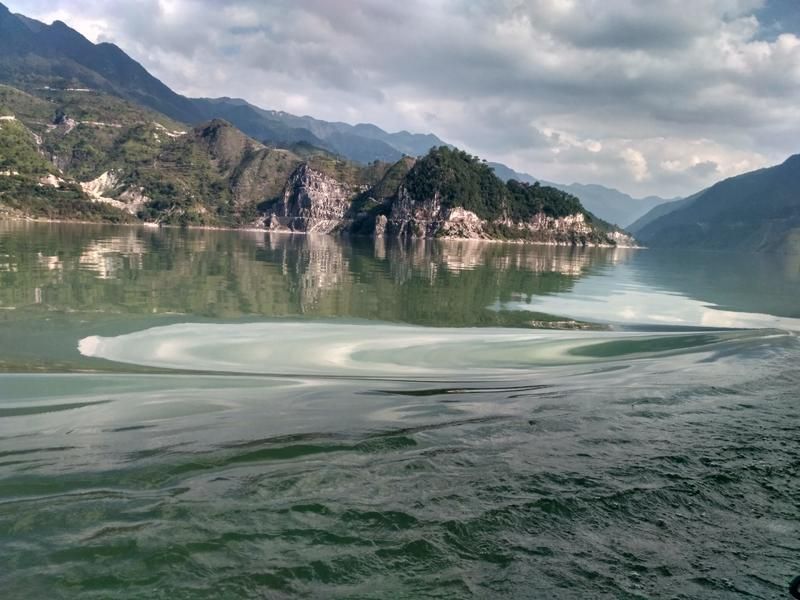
x=199 y=414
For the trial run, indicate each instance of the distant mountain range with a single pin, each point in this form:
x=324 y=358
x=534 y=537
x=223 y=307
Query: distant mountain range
x=34 y=55
x=756 y=211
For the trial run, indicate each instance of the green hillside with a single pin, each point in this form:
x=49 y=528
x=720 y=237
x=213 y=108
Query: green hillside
x=757 y=211
x=459 y=179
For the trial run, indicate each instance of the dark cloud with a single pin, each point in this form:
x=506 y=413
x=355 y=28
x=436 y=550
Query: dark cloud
x=652 y=97
x=704 y=169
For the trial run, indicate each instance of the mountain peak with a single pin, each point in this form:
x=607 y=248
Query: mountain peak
x=224 y=142
x=215 y=125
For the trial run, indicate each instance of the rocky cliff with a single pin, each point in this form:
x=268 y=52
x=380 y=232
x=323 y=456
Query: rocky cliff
x=311 y=202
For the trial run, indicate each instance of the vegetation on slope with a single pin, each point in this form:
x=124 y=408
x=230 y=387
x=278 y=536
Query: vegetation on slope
x=459 y=180
x=755 y=211
x=463 y=180
x=18 y=151
x=21 y=191
x=376 y=201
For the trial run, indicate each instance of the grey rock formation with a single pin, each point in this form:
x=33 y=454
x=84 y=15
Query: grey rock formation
x=312 y=202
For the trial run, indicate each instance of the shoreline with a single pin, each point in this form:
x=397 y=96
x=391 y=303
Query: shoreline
x=153 y=226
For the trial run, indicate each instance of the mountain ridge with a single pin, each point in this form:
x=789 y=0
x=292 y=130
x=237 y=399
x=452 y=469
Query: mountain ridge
x=755 y=211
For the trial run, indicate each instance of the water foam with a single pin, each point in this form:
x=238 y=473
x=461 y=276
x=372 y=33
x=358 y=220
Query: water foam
x=388 y=351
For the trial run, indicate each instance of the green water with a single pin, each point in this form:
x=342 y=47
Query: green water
x=197 y=414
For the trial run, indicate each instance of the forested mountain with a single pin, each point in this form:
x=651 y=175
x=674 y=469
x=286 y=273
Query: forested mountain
x=759 y=211
x=453 y=194
x=659 y=211
x=34 y=55
x=87 y=132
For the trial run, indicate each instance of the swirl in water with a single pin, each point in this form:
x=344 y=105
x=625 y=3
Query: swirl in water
x=388 y=351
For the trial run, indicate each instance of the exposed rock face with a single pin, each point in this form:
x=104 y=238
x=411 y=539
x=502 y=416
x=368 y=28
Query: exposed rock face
x=623 y=240
x=312 y=202
x=415 y=219
x=568 y=230
x=51 y=180
x=429 y=219
x=105 y=187
x=134 y=200
x=102 y=186
x=380 y=226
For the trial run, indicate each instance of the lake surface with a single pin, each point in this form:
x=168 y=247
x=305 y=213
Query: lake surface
x=202 y=414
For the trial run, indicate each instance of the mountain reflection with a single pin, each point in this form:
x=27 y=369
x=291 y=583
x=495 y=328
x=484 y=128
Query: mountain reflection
x=223 y=274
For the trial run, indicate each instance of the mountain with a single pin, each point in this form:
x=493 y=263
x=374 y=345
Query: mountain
x=348 y=139
x=88 y=132
x=119 y=161
x=611 y=204
x=607 y=203
x=659 y=211
x=507 y=173
x=756 y=211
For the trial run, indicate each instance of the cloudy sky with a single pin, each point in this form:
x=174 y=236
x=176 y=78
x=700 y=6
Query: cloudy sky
x=650 y=96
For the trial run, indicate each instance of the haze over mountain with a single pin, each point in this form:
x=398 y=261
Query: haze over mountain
x=611 y=204
x=34 y=54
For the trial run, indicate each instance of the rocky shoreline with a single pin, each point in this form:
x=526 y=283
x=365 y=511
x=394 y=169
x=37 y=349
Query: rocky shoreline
x=285 y=232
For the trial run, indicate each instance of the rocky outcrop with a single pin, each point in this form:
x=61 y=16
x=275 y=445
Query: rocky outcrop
x=107 y=189
x=428 y=219
x=101 y=186
x=415 y=219
x=623 y=240
x=569 y=230
x=312 y=202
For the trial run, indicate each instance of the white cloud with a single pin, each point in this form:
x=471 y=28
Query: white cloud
x=637 y=164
